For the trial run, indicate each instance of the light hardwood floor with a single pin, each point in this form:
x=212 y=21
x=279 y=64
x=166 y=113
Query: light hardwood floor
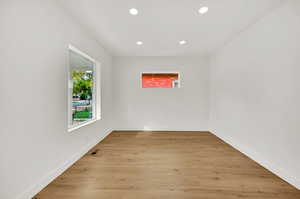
x=166 y=165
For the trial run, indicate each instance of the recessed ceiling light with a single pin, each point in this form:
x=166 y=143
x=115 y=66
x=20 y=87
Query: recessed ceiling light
x=203 y=10
x=133 y=11
x=182 y=42
x=139 y=43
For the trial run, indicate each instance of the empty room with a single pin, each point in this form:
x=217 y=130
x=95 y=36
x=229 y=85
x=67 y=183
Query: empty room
x=149 y=99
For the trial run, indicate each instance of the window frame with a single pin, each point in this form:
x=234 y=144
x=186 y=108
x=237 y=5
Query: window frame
x=96 y=103
x=161 y=72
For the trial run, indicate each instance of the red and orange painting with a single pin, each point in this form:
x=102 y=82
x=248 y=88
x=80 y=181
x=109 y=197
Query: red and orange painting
x=160 y=80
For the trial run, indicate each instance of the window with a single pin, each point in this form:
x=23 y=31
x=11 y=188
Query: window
x=160 y=80
x=83 y=95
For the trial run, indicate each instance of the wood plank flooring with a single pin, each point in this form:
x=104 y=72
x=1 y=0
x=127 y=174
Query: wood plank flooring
x=166 y=165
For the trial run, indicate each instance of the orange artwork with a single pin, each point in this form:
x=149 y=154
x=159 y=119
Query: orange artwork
x=160 y=80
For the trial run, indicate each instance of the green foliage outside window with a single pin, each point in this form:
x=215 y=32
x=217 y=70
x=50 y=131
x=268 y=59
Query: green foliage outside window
x=82 y=85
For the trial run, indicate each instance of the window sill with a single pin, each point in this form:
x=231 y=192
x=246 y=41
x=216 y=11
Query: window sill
x=73 y=128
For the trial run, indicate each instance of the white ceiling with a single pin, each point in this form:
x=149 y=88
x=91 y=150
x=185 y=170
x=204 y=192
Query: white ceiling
x=161 y=24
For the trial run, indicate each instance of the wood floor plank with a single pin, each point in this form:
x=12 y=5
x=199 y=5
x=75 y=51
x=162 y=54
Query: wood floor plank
x=169 y=165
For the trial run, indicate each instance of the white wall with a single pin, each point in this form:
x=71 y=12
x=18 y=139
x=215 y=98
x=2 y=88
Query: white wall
x=34 y=143
x=255 y=101
x=185 y=108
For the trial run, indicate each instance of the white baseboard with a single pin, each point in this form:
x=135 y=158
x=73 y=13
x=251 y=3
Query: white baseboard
x=254 y=155
x=157 y=129
x=33 y=190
